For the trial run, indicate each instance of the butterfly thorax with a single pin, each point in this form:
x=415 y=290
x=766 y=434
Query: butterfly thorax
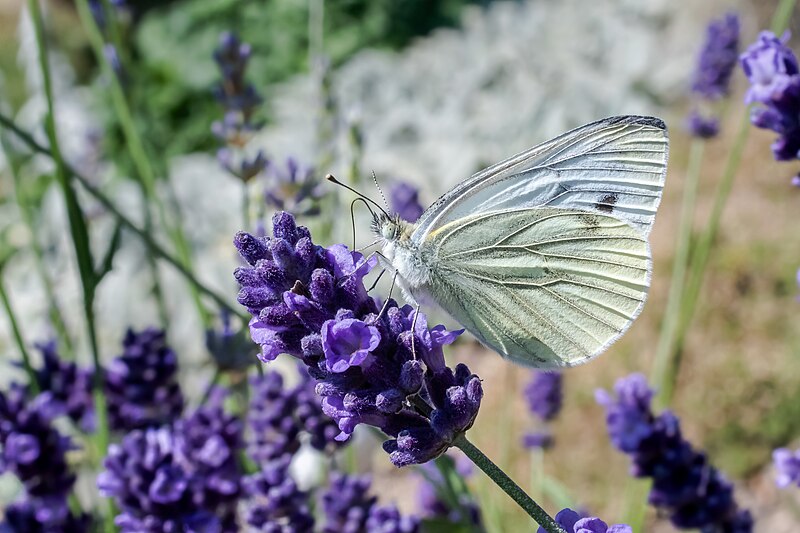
x=402 y=253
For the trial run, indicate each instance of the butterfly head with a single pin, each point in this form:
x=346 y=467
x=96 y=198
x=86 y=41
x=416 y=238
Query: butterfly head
x=391 y=228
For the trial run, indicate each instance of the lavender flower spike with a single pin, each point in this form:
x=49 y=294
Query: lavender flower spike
x=573 y=523
x=310 y=302
x=787 y=463
x=693 y=492
x=404 y=200
x=141 y=384
x=180 y=478
x=32 y=449
x=717 y=58
x=772 y=69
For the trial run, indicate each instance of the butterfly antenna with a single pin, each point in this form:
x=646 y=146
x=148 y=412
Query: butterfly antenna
x=375 y=179
x=353 y=216
x=332 y=179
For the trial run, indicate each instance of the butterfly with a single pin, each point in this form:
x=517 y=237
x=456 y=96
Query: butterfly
x=543 y=257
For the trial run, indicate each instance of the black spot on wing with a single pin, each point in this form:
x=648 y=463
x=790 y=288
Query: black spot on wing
x=606 y=203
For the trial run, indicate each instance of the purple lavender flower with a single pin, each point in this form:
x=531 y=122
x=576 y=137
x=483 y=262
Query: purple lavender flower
x=209 y=441
x=404 y=201
x=787 y=463
x=311 y=303
x=348 y=342
x=320 y=427
x=388 y=519
x=184 y=478
x=293 y=188
x=231 y=349
x=702 y=126
x=774 y=76
x=572 y=522
x=141 y=385
x=34 y=515
x=275 y=504
x=240 y=164
x=240 y=100
x=346 y=503
x=234 y=92
x=543 y=395
x=32 y=449
x=717 y=58
x=68 y=385
x=712 y=75
x=693 y=492
x=274 y=429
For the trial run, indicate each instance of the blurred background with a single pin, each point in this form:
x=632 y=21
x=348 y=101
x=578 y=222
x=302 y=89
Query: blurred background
x=424 y=92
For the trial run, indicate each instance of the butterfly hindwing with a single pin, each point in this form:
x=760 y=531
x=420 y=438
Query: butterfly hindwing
x=545 y=287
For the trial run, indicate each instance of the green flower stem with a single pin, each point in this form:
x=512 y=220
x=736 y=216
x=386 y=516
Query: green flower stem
x=109 y=205
x=664 y=371
x=246 y=207
x=80 y=237
x=138 y=152
x=23 y=350
x=507 y=484
x=29 y=219
x=702 y=252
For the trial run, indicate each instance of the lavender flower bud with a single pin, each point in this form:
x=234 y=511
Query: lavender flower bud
x=692 y=491
x=141 y=384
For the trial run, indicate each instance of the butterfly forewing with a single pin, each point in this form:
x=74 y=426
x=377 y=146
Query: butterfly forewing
x=616 y=165
x=544 y=256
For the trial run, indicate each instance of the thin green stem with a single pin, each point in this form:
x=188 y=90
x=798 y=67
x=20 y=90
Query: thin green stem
x=664 y=371
x=28 y=218
x=702 y=250
x=23 y=350
x=79 y=232
x=109 y=205
x=137 y=151
x=246 y=207
x=507 y=485
x=782 y=15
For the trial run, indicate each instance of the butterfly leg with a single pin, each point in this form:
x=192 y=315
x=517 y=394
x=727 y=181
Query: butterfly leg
x=414 y=334
x=391 y=288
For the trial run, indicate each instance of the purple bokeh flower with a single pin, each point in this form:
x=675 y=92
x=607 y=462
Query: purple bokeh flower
x=787 y=463
x=544 y=395
x=685 y=485
x=181 y=478
x=310 y=302
x=240 y=100
x=572 y=522
x=772 y=69
x=33 y=515
x=230 y=348
x=717 y=59
x=712 y=74
x=404 y=201
x=68 y=384
x=274 y=503
x=346 y=503
x=141 y=384
x=35 y=452
x=702 y=126
x=274 y=431
x=387 y=519
x=293 y=187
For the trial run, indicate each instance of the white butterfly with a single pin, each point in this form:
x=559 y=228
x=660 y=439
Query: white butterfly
x=544 y=256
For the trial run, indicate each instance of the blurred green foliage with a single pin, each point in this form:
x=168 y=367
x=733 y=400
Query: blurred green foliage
x=171 y=72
